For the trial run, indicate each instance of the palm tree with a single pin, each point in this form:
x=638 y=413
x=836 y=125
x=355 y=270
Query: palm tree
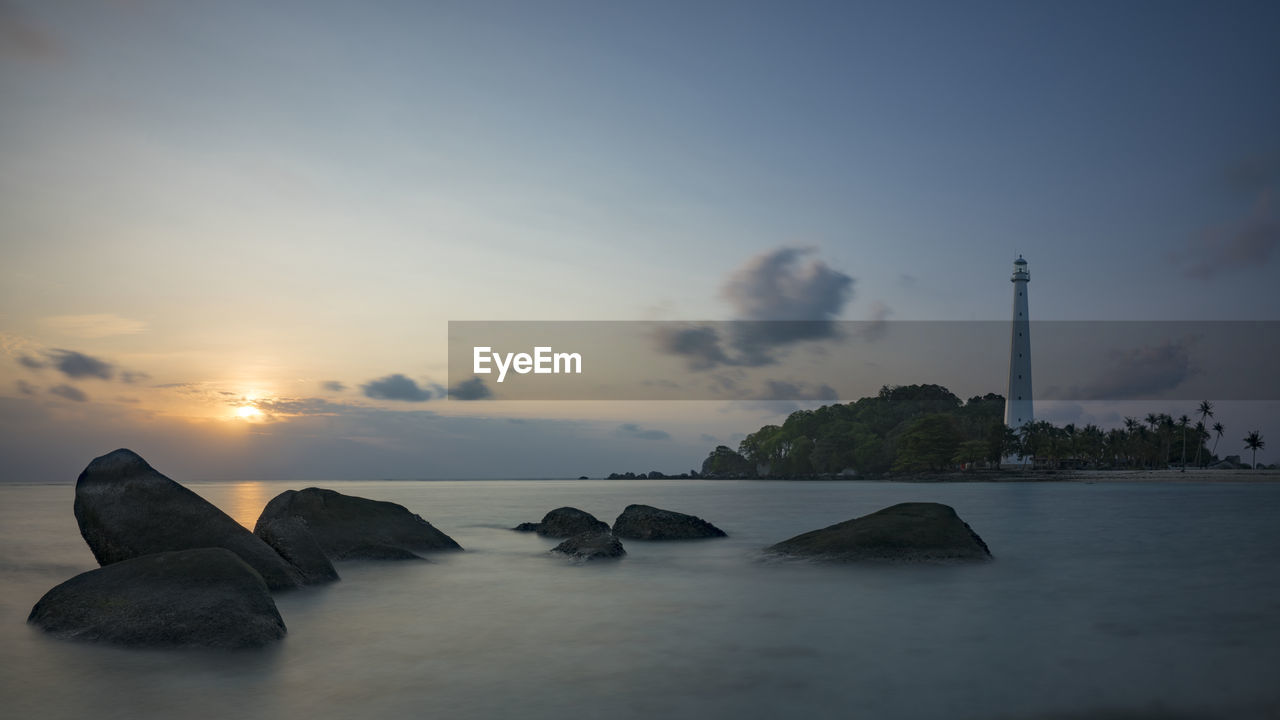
x=1183 y=422
x=1205 y=411
x=1253 y=441
x=1217 y=430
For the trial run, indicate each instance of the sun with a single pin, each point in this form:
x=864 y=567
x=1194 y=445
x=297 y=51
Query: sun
x=248 y=412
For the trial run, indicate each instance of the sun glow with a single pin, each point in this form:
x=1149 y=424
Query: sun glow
x=248 y=412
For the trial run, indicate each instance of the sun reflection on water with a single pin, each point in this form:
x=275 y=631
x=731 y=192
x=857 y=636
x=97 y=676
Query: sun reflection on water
x=247 y=501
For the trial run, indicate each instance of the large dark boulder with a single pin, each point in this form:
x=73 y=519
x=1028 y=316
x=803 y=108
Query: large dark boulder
x=591 y=546
x=907 y=532
x=291 y=537
x=207 y=597
x=347 y=527
x=565 y=522
x=126 y=509
x=642 y=522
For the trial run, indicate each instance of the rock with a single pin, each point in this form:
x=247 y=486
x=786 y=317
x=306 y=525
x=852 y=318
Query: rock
x=592 y=545
x=290 y=537
x=206 y=597
x=347 y=527
x=642 y=522
x=565 y=522
x=126 y=509
x=583 y=477
x=907 y=532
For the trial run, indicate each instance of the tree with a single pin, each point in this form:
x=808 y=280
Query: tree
x=1205 y=411
x=1183 y=422
x=1253 y=441
x=929 y=443
x=1218 y=430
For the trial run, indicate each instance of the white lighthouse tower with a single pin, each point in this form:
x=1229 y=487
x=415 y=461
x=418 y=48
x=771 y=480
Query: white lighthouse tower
x=1017 y=404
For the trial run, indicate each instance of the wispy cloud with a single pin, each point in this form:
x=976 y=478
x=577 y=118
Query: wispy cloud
x=332 y=386
x=22 y=38
x=632 y=430
x=1140 y=372
x=69 y=392
x=94 y=326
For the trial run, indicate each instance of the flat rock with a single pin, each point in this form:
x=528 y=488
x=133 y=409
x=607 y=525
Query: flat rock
x=126 y=509
x=206 y=597
x=642 y=522
x=565 y=522
x=290 y=537
x=907 y=532
x=593 y=545
x=347 y=527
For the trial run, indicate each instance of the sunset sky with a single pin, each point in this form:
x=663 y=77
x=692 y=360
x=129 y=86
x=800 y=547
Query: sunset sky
x=233 y=234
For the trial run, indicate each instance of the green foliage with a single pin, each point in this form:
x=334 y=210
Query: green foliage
x=913 y=428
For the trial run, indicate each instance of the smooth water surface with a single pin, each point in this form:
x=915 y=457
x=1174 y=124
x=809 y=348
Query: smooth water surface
x=1114 y=600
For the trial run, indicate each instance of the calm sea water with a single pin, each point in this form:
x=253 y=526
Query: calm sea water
x=1106 y=600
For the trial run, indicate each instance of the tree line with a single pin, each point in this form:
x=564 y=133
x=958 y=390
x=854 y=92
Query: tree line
x=915 y=428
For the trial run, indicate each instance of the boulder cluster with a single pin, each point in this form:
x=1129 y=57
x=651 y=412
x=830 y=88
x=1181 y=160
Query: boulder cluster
x=590 y=539
x=178 y=572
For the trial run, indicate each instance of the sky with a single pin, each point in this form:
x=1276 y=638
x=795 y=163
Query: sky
x=233 y=235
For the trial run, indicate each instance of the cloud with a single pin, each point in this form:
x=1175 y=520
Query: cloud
x=1140 y=372
x=1240 y=245
x=32 y=363
x=95 y=326
x=633 y=430
x=133 y=376
x=333 y=386
x=25 y=387
x=1255 y=174
x=69 y=392
x=698 y=344
x=708 y=438
x=295 y=406
x=395 y=387
x=22 y=39
x=473 y=389
x=876 y=325
x=777 y=302
x=783 y=390
x=78 y=365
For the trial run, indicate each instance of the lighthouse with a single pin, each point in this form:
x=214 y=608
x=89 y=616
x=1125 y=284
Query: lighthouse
x=1017 y=404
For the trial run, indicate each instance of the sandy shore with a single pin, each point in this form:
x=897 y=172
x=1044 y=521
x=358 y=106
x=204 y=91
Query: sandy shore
x=1172 y=475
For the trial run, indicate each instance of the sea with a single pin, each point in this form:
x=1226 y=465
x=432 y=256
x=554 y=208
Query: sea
x=1104 y=600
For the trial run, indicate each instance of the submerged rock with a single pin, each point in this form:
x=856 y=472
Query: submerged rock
x=126 y=509
x=290 y=537
x=347 y=527
x=642 y=522
x=564 y=522
x=206 y=597
x=592 y=545
x=907 y=532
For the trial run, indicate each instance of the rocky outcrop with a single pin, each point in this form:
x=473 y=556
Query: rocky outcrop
x=591 y=546
x=347 y=527
x=290 y=537
x=126 y=509
x=208 y=597
x=565 y=522
x=907 y=532
x=642 y=522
